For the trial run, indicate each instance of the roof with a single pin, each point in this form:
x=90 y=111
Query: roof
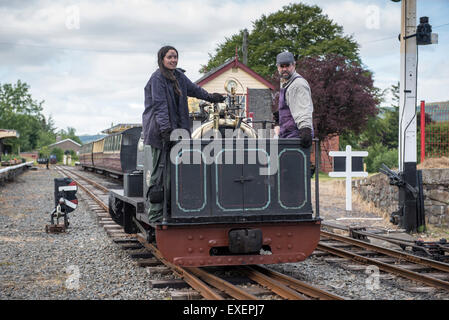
x=6 y=133
x=59 y=142
x=121 y=127
x=232 y=63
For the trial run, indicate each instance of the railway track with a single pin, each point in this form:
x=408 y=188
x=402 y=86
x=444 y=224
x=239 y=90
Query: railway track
x=348 y=250
x=203 y=280
x=418 y=269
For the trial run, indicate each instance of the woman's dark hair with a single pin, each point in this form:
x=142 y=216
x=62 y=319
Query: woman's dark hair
x=168 y=74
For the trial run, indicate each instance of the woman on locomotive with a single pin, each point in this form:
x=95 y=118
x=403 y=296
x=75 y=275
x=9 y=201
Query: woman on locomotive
x=166 y=109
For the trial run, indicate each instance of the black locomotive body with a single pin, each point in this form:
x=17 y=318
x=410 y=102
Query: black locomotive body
x=232 y=201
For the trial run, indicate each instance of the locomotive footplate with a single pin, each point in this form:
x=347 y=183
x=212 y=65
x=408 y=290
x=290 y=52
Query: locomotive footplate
x=226 y=244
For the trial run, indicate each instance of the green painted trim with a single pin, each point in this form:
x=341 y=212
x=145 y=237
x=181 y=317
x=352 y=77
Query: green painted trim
x=279 y=178
x=204 y=182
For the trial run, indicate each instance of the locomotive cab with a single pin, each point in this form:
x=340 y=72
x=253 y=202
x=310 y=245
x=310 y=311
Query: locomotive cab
x=238 y=201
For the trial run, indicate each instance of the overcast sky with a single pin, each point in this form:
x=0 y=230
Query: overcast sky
x=90 y=60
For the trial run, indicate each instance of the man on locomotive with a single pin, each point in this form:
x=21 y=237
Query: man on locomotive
x=166 y=109
x=294 y=117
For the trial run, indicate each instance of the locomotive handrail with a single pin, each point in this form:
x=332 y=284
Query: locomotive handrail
x=317 y=174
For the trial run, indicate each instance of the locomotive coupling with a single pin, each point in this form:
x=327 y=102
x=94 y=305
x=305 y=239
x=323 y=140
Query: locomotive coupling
x=245 y=241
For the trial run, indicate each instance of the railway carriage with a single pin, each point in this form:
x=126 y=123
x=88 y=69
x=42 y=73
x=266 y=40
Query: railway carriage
x=86 y=159
x=115 y=154
x=97 y=153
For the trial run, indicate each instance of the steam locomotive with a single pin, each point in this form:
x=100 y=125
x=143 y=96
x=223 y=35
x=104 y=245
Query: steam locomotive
x=235 y=197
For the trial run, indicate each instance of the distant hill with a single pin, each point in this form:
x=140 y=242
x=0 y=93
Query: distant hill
x=85 y=139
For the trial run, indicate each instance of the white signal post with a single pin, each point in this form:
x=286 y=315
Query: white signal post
x=407 y=90
x=348 y=173
x=411 y=213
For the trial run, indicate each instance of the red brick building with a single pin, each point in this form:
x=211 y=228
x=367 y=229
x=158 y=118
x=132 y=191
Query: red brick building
x=330 y=144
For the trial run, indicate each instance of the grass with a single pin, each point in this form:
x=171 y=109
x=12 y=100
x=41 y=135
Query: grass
x=434 y=163
x=325 y=177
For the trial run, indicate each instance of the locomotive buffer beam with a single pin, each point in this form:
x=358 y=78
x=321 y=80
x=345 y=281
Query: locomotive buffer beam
x=245 y=241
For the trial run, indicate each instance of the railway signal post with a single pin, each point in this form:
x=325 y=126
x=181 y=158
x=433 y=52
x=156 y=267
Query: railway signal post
x=410 y=214
x=65 y=202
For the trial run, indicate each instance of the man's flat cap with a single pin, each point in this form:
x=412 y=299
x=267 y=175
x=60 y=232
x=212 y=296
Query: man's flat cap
x=284 y=58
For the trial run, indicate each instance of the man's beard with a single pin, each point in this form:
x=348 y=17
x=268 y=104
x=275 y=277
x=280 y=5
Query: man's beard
x=286 y=75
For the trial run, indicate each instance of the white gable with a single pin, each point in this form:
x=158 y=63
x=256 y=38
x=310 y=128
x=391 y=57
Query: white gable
x=245 y=80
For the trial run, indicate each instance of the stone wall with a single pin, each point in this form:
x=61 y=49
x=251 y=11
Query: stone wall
x=376 y=189
x=436 y=195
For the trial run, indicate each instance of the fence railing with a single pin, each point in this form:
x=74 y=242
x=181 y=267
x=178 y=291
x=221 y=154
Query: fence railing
x=434 y=130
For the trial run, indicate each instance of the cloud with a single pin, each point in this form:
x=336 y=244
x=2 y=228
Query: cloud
x=91 y=68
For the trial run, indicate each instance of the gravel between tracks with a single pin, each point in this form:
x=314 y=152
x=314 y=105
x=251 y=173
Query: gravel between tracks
x=36 y=265
x=83 y=263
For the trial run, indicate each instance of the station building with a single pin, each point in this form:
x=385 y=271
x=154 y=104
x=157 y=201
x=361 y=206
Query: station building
x=66 y=144
x=254 y=92
x=6 y=134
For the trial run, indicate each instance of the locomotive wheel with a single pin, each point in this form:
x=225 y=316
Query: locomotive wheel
x=116 y=210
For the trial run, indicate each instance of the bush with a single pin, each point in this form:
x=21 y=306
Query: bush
x=44 y=152
x=74 y=155
x=8 y=157
x=58 y=153
x=390 y=159
x=378 y=154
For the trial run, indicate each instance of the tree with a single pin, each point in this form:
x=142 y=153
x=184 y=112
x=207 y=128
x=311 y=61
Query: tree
x=298 y=28
x=58 y=152
x=18 y=111
x=44 y=152
x=70 y=133
x=380 y=136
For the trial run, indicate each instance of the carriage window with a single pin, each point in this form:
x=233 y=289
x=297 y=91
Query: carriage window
x=127 y=140
x=119 y=142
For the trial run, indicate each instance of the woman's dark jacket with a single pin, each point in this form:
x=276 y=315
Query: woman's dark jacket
x=161 y=111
